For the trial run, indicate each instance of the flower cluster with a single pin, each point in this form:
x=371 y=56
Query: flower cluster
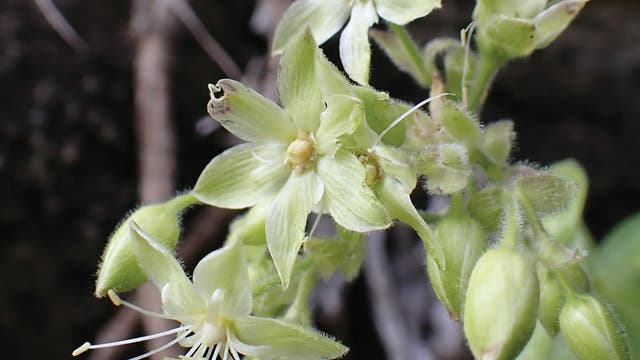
x=500 y=257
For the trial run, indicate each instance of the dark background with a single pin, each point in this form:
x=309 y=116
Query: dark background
x=68 y=158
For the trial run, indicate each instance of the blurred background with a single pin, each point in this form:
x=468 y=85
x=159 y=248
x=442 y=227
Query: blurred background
x=115 y=115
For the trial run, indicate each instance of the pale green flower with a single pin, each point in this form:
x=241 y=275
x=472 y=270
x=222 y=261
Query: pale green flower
x=292 y=156
x=327 y=17
x=215 y=309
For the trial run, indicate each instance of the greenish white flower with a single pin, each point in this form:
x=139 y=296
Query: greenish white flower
x=327 y=17
x=293 y=155
x=214 y=310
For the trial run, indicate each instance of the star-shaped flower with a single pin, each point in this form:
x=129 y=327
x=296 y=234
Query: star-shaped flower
x=327 y=17
x=292 y=156
x=215 y=309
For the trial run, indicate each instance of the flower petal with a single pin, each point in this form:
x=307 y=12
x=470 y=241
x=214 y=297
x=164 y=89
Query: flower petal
x=247 y=114
x=225 y=269
x=242 y=175
x=400 y=207
x=270 y=339
x=349 y=200
x=155 y=260
x=403 y=11
x=181 y=300
x=355 y=52
x=287 y=219
x=396 y=164
x=298 y=83
x=343 y=115
x=324 y=17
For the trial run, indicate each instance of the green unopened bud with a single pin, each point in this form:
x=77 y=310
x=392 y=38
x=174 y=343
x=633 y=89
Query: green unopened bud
x=463 y=242
x=497 y=140
x=486 y=206
x=119 y=270
x=515 y=28
x=508 y=37
x=591 y=331
x=461 y=125
x=551 y=299
x=446 y=167
x=546 y=192
x=501 y=306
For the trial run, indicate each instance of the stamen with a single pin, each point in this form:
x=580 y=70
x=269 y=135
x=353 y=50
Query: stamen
x=117 y=301
x=407 y=113
x=226 y=350
x=466 y=41
x=88 y=346
x=161 y=348
x=216 y=351
x=193 y=349
x=234 y=353
x=315 y=225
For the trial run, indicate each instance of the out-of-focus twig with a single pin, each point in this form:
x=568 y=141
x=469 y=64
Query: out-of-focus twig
x=61 y=25
x=153 y=27
x=398 y=342
x=217 y=53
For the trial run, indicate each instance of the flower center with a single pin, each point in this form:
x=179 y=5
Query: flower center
x=301 y=153
x=373 y=171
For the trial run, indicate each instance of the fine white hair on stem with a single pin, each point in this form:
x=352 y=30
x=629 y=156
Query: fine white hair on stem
x=466 y=36
x=407 y=113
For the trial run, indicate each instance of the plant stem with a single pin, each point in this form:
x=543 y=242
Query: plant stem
x=409 y=45
x=489 y=66
x=511 y=224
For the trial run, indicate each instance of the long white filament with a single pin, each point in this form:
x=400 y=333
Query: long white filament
x=407 y=113
x=117 y=301
x=88 y=346
x=161 y=348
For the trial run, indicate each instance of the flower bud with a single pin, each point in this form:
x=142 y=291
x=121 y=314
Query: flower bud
x=460 y=124
x=501 y=305
x=591 y=331
x=446 y=167
x=497 y=141
x=463 y=241
x=119 y=270
x=546 y=192
x=551 y=299
x=486 y=207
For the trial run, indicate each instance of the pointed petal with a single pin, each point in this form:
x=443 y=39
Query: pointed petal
x=287 y=219
x=403 y=11
x=355 y=52
x=242 y=175
x=298 y=83
x=399 y=205
x=270 y=339
x=343 y=115
x=324 y=17
x=247 y=114
x=553 y=21
x=155 y=260
x=225 y=269
x=351 y=203
x=332 y=80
